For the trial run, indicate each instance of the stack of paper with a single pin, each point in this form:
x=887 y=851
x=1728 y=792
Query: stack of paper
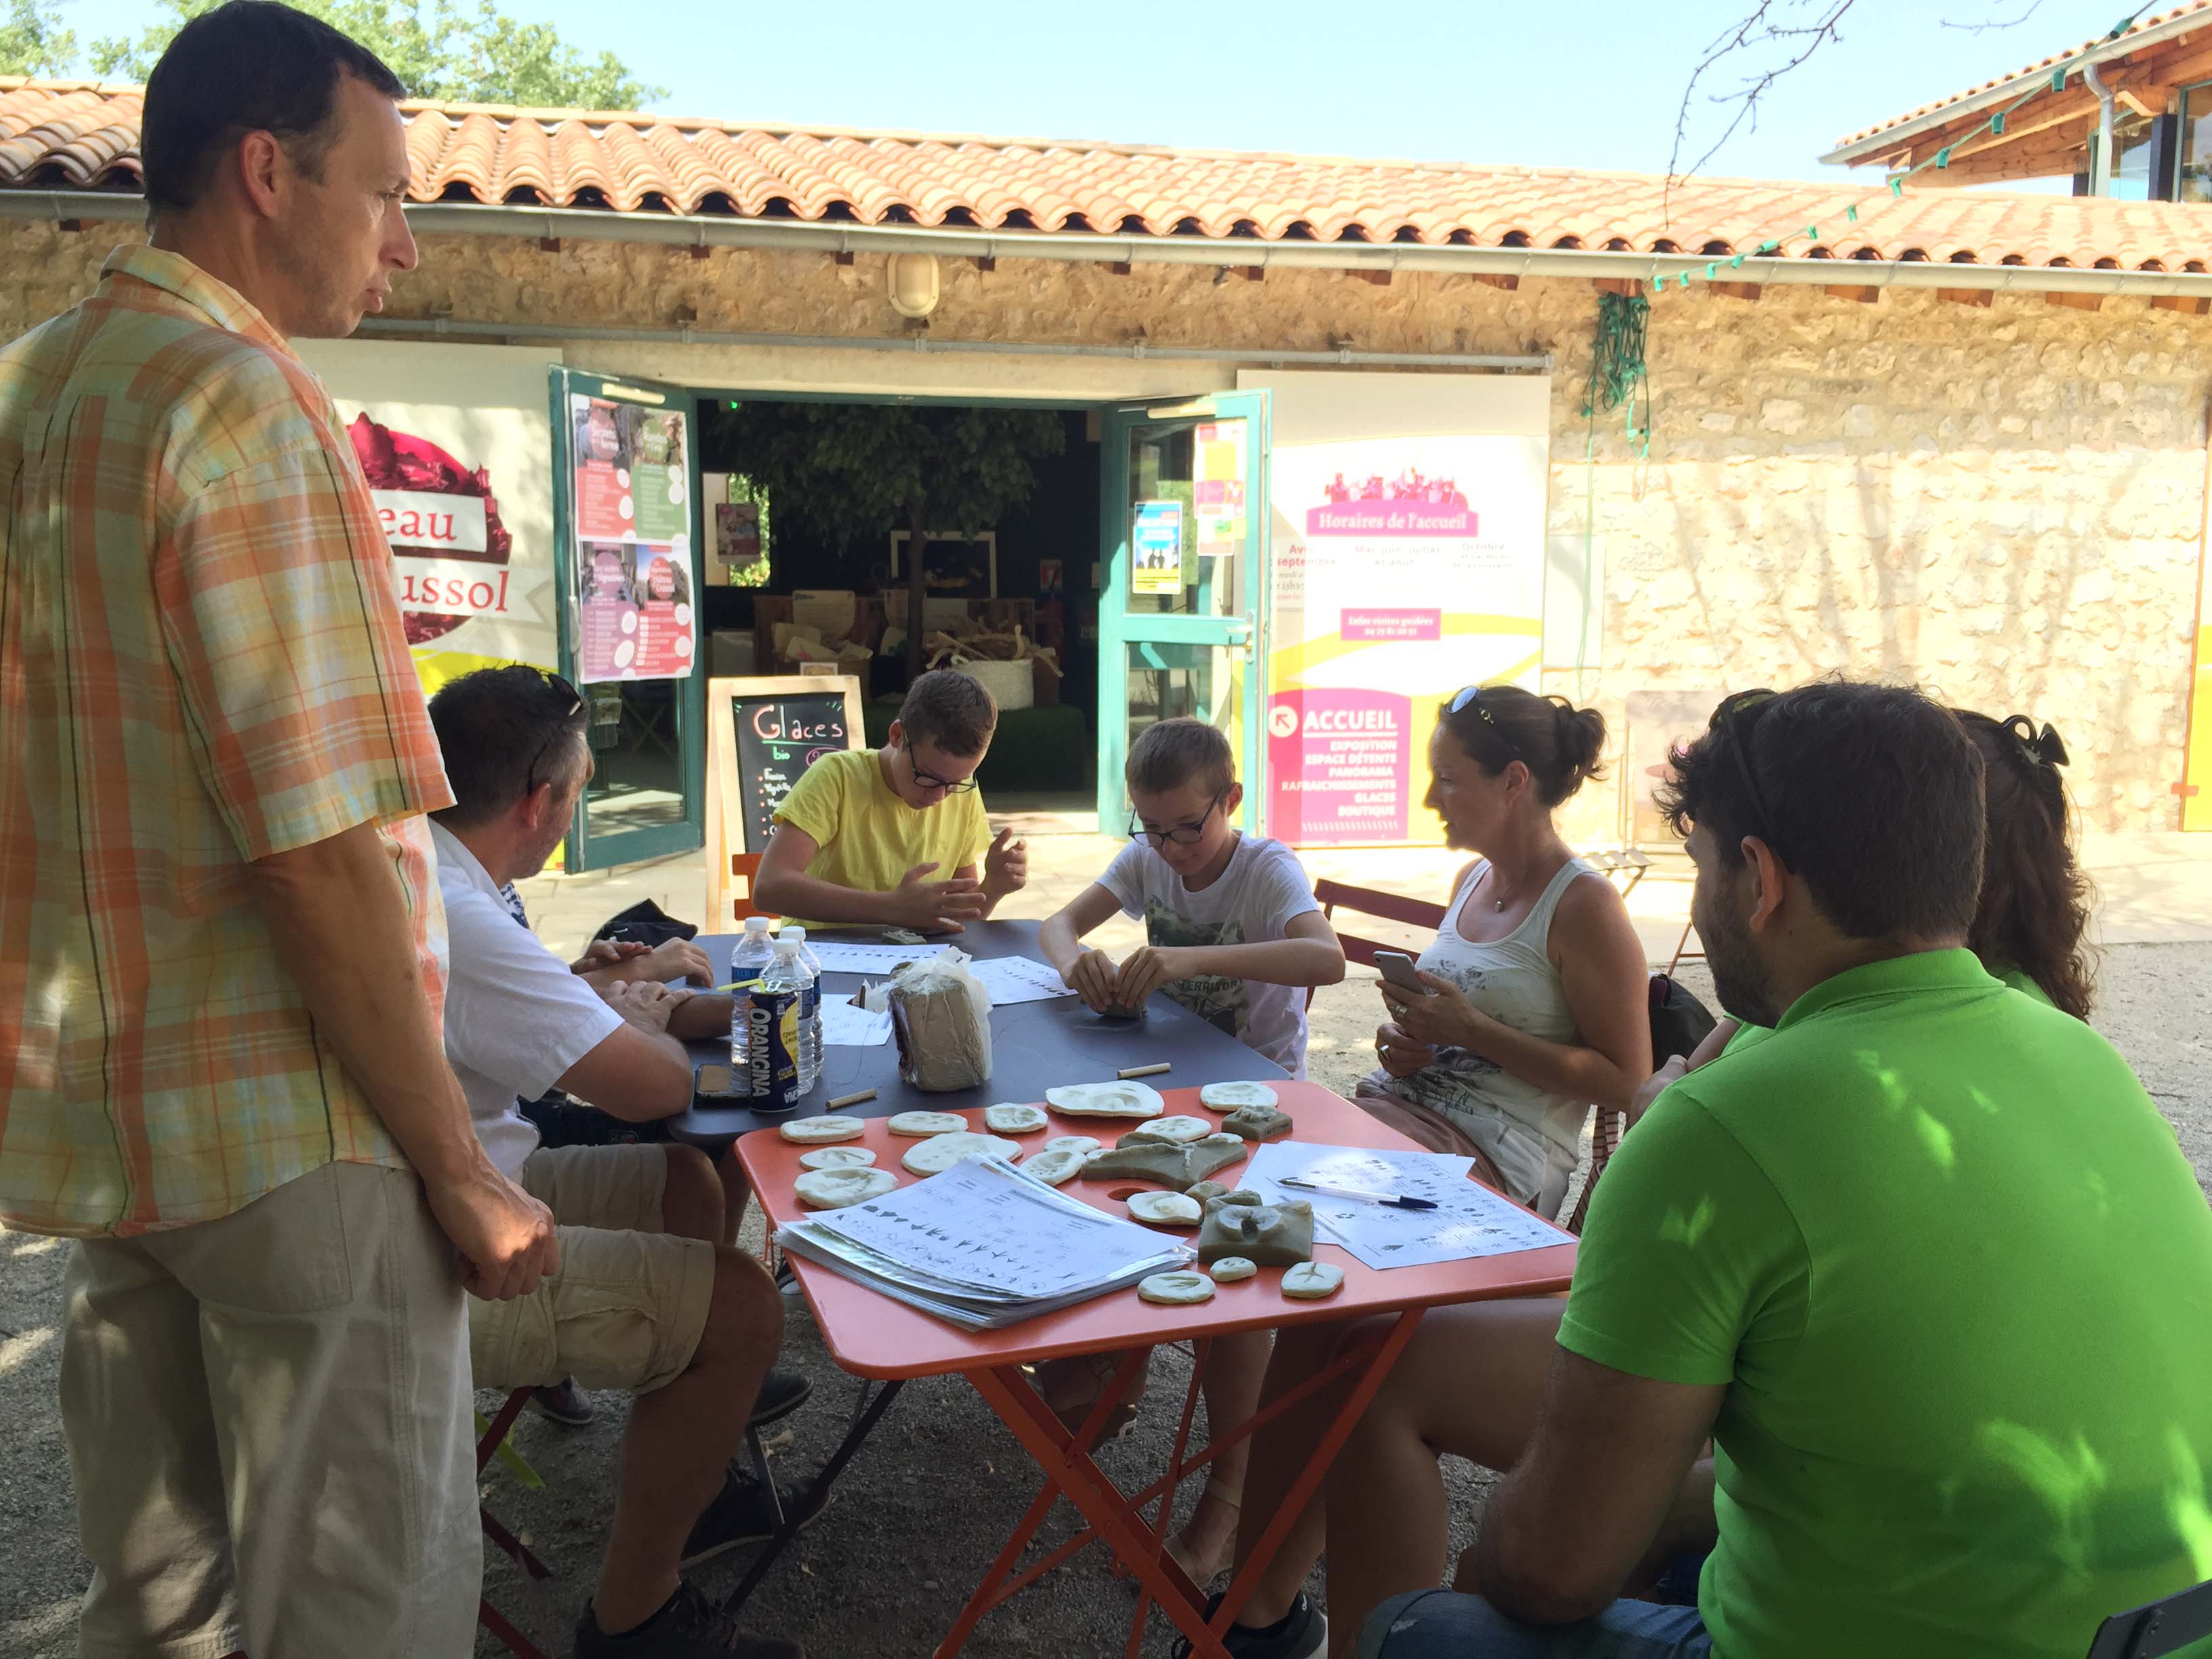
x=982 y=1246
x=1018 y=979
x=867 y=957
x=1469 y=1219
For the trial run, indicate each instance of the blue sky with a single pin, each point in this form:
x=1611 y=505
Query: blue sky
x=1591 y=84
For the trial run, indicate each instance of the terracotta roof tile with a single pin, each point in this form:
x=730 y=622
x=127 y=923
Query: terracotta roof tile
x=65 y=134
x=2046 y=63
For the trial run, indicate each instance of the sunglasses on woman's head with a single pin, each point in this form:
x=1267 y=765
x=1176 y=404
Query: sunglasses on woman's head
x=1473 y=695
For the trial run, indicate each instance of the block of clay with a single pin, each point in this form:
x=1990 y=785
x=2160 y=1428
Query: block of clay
x=1204 y=1190
x=1271 y=1234
x=1176 y=1289
x=1309 y=1281
x=1053 y=1167
x=1226 y=1096
x=1231 y=1268
x=1073 y=1144
x=1257 y=1122
x=1124 y=1097
x=919 y=1124
x=1010 y=1119
x=1179 y=1167
x=940 y=1153
x=836 y=1157
x=1163 y=1209
x=833 y=1189
x=812 y=1131
x=1176 y=1129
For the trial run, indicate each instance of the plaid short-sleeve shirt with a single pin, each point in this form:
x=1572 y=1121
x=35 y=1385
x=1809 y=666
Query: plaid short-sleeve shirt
x=202 y=663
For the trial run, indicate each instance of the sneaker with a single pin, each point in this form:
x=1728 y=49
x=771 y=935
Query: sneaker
x=788 y=1281
x=742 y=1513
x=689 y=1627
x=564 y=1402
x=1298 y=1634
x=781 y=1392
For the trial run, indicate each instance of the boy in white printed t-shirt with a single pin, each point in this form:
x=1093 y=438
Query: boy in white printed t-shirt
x=1233 y=933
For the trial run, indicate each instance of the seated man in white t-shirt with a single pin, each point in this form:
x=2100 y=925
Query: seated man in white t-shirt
x=652 y=1295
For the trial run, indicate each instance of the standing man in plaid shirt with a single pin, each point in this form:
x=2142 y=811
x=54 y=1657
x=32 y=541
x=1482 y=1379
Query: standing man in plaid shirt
x=222 y=946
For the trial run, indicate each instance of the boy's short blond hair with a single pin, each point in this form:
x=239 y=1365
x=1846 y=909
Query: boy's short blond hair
x=1168 y=754
x=951 y=710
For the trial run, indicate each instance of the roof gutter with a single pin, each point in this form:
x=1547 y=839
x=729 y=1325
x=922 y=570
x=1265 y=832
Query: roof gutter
x=1863 y=150
x=796 y=235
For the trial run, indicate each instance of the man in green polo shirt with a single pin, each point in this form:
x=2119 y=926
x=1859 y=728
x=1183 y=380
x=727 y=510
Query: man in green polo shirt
x=1926 y=1265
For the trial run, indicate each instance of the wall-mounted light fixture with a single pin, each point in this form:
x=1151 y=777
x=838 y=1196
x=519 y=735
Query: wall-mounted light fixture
x=913 y=282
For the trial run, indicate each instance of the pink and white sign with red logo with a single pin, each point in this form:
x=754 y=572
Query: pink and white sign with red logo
x=1401 y=568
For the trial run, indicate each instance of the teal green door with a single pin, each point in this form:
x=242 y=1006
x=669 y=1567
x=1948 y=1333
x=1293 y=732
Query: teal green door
x=1183 y=548
x=627 y=545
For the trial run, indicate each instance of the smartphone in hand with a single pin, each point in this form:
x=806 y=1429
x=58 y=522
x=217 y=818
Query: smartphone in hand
x=1398 y=967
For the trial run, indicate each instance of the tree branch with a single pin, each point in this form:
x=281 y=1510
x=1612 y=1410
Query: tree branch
x=1764 y=28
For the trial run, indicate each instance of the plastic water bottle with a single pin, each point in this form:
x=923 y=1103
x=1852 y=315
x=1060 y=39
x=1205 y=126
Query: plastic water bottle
x=775 y=1058
x=811 y=1029
x=748 y=962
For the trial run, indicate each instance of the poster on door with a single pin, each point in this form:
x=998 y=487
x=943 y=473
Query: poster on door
x=1218 y=489
x=1156 y=548
x=1403 y=567
x=635 y=612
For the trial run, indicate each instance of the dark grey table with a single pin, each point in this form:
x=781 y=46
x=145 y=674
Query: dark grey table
x=1035 y=1046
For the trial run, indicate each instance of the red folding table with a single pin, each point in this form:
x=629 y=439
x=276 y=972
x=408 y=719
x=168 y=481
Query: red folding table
x=873 y=1336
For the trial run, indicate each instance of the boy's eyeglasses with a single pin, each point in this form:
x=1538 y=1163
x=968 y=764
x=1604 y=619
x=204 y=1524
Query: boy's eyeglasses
x=1183 y=835
x=929 y=779
x=1735 y=717
x=1473 y=695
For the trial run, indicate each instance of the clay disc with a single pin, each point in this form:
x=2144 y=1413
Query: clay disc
x=812 y=1131
x=1119 y=1099
x=833 y=1189
x=1052 y=1166
x=925 y=1123
x=1309 y=1281
x=1009 y=1119
x=1164 y=1209
x=1227 y=1097
x=940 y=1153
x=1231 y=1268
x=1177 y=1288
x=1071 y=1144
x=836 y=1157
x=1176 y=1130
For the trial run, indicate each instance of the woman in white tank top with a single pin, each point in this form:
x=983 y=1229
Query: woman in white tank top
x=1539 y=979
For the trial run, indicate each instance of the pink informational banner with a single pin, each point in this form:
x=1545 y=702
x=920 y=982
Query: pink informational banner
x=1407 y=560
x=1342 y=761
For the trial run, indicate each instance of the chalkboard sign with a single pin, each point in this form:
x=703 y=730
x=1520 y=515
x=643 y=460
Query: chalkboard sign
x=764 y=733
x=778 y=738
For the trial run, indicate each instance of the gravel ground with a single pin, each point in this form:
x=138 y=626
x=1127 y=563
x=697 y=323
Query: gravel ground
x=916 y=1519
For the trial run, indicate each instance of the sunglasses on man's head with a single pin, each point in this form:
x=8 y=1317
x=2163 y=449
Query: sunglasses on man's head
x=560 y=687
x=1735 y=719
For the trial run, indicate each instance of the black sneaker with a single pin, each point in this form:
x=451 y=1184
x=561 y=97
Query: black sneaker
x=1298 y=1634
x=564 y=1402
x=781 y=1392
x=742 y=1513
x=689 y=1627
x=788 y=1281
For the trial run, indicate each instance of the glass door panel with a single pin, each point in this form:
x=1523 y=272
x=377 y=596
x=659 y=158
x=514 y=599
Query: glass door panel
x=1184 y=551
x=626 y=495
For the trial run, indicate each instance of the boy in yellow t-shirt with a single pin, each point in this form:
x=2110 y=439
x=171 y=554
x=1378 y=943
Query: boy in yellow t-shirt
x=860 y=833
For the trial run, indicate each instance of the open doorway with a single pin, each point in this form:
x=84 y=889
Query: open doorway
x=810 y=526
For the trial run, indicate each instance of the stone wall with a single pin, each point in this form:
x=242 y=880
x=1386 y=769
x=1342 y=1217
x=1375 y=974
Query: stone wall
x=2003 y=502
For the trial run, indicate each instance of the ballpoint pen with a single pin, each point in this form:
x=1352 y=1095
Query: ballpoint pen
x=1383 y=1199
